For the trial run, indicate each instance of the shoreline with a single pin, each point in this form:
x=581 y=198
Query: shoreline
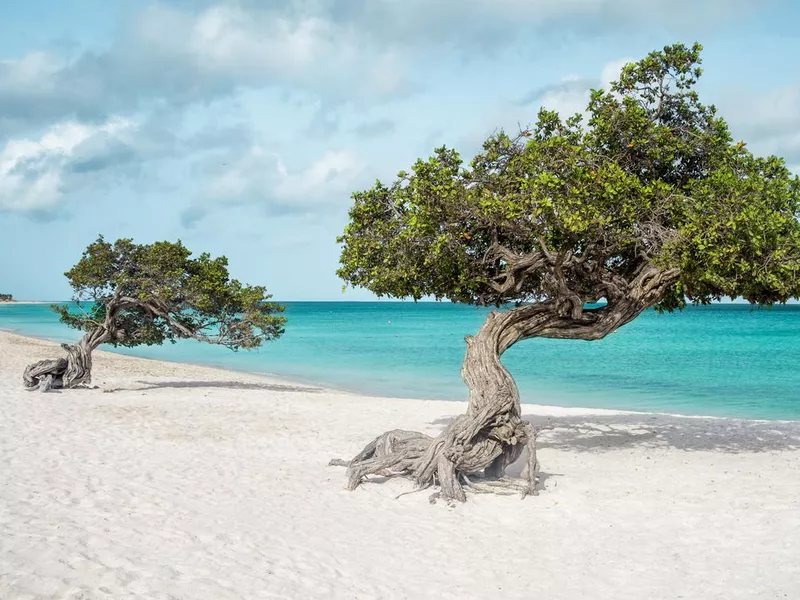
x=267 y=377
x=271 y=377
x=327 y=387
x=277 y=379
x=213 y=373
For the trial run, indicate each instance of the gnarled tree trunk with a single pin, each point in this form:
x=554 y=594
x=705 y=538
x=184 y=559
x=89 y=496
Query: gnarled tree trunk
x=67 y=372
x=492 y=434
x=483 y=442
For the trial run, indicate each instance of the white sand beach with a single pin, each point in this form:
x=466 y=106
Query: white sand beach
x=181 y=482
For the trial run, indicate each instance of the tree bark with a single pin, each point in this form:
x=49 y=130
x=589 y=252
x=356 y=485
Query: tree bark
x=75 y=369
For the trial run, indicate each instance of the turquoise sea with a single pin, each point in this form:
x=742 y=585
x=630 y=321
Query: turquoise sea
x=724 y=360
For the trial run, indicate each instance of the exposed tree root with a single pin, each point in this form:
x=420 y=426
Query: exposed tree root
x=457 y=467
x=56 y=373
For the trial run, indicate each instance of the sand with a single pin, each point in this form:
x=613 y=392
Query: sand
x=175 y=481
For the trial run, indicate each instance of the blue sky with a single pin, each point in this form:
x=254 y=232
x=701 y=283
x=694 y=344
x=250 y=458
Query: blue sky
x=243 y=126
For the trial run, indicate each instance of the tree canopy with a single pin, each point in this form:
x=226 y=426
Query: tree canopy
x=649 y=181
x=152 y=293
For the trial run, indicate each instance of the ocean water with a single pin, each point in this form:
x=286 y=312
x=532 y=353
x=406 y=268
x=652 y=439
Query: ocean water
x=722 y=360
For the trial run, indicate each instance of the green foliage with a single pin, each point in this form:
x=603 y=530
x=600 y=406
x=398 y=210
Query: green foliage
x=148 y=294
x=648 y=176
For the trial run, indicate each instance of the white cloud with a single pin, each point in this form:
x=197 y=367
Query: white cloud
x=567 y=98
x=226 y=39
x=261 y=178
x=767 y=112
x=33 y=172
x=338 y=50
x=478 y=26
x=35 y=69
x=329 y=176
x=180 y=56
x=769 y=122
x=226 y=46
x=571 y=95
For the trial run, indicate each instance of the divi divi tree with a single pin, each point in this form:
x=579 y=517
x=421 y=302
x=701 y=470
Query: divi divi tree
x=574 y=227
x=133 y=294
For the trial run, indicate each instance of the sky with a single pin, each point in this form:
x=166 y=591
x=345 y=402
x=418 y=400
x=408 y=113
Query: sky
x=242 y=127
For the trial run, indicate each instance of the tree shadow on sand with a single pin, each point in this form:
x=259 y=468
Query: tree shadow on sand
x=598 y=433
x=228 y=385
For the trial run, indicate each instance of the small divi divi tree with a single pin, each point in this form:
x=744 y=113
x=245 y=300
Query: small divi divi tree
x=575 y=226
x=133 y=294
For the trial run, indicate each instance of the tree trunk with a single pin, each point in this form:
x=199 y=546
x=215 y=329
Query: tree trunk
x=481 y=443
x=67 y=372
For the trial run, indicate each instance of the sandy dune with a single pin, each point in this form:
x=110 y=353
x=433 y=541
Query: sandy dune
x=174 y=481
